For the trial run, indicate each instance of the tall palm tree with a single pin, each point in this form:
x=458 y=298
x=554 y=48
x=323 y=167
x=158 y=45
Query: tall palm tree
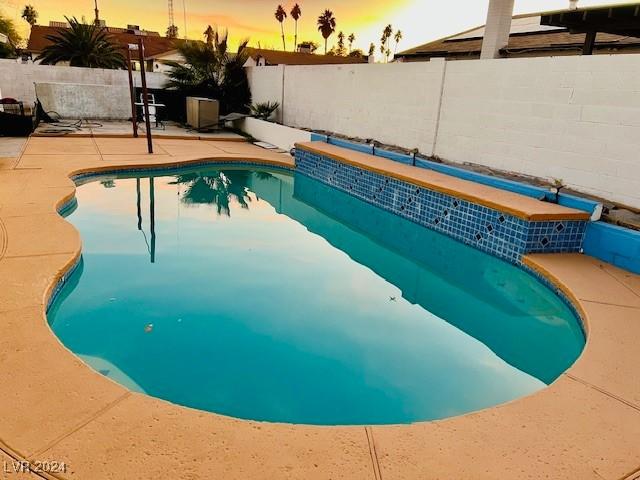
x=341 y=50
x=82 y=46
x=397 y=37
x=280 y=16
x=351 y=38
x=296 y=13
x=210 y=70
x=209 y=35
x=384 y=40
x=326 y=26
x=30 y=15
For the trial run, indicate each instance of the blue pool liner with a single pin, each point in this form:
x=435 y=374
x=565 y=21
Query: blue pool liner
x=533 y=191
x=613 y=244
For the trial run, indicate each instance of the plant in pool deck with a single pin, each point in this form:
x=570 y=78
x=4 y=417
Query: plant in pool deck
x=326 y=26
x=82 y=45
x=558 y=185
x=264 y=110
x=211 y=71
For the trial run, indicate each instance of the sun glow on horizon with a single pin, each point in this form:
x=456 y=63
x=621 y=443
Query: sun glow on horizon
x=419 y=20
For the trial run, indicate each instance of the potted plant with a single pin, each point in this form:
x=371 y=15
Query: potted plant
x=264 y=110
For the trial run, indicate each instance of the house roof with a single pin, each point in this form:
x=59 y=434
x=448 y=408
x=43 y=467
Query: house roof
x=528 y=35
x=154 y=43
x=278 y=57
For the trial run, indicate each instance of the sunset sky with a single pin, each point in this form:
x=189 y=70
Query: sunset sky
x=419 y=20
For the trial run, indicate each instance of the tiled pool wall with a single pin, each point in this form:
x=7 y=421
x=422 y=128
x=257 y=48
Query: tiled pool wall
x=498 y=233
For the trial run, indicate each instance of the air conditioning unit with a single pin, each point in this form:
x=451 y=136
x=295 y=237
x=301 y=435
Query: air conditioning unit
x=202 y=113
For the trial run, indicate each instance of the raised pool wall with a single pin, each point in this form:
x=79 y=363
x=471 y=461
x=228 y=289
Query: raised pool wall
x=496 y=232
x=610 y=243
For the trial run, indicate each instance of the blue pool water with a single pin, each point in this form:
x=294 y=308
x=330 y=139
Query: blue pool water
x=268 y=296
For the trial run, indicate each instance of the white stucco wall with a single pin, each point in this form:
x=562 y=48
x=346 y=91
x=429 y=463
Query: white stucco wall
x=267 y=85
x=392 y=103
x=571 y=118
x=278 y=135
x=17 y=80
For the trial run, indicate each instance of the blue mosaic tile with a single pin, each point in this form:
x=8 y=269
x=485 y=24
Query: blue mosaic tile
x=492 y=231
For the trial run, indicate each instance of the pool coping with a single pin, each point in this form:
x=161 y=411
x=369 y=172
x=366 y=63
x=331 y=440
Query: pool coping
x=61 y=410
x=518 y=205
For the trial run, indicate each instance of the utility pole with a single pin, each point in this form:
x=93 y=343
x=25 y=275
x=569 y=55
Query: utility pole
x=172 y=22
x=145 y=94
x=97 y=20
x=132 y=94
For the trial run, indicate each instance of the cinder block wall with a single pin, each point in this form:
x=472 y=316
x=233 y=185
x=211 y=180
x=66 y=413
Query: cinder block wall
x=17 y=80
x=571 y=118
x=576 y=119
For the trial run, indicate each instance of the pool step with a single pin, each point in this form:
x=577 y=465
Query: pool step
x=503 y=223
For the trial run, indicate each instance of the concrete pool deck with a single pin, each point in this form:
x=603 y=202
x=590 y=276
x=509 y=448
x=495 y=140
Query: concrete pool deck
x=586 y=425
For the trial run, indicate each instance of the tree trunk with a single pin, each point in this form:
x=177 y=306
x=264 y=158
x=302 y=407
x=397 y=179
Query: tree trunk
x=325 y=46
x=284 y=46
x=295 y=39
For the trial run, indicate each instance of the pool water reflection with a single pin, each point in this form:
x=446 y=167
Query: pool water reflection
x=265 y=296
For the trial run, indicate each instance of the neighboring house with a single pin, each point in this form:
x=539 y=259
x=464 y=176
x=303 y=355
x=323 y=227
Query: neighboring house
x=542 y=34
x=261 y=57
x=159 y=62
x=157 y=47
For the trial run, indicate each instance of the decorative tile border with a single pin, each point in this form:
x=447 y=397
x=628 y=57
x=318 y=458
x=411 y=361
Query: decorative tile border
x=492 y=231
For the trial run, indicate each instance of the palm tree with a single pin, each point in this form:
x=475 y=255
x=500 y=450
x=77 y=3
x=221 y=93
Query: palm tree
x=326 y=26
x=351 y=38
x=216 y=189
x=30 y=15
x=209 y=34
x=296 y=13
x=209 y=70
x=82 y=45
x=397 y=37
x=341 y=50
x=384 y=40
x=8 y=28
x=172 y=31
x=372 y=49
x=280 y=16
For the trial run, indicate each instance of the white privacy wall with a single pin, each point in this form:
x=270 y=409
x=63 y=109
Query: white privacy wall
x=365 y=101
x=571 y=118
x=266 y=85
x=17 y=79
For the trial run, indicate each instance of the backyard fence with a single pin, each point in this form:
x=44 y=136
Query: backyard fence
x=575 y=119
x=78 y=92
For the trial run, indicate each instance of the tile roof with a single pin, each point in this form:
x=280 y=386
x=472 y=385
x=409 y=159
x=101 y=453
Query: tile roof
x=154 y=43
x=469 y=43
x=278 y=57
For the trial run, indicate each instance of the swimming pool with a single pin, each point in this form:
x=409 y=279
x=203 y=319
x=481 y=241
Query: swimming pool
x=264 y=295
